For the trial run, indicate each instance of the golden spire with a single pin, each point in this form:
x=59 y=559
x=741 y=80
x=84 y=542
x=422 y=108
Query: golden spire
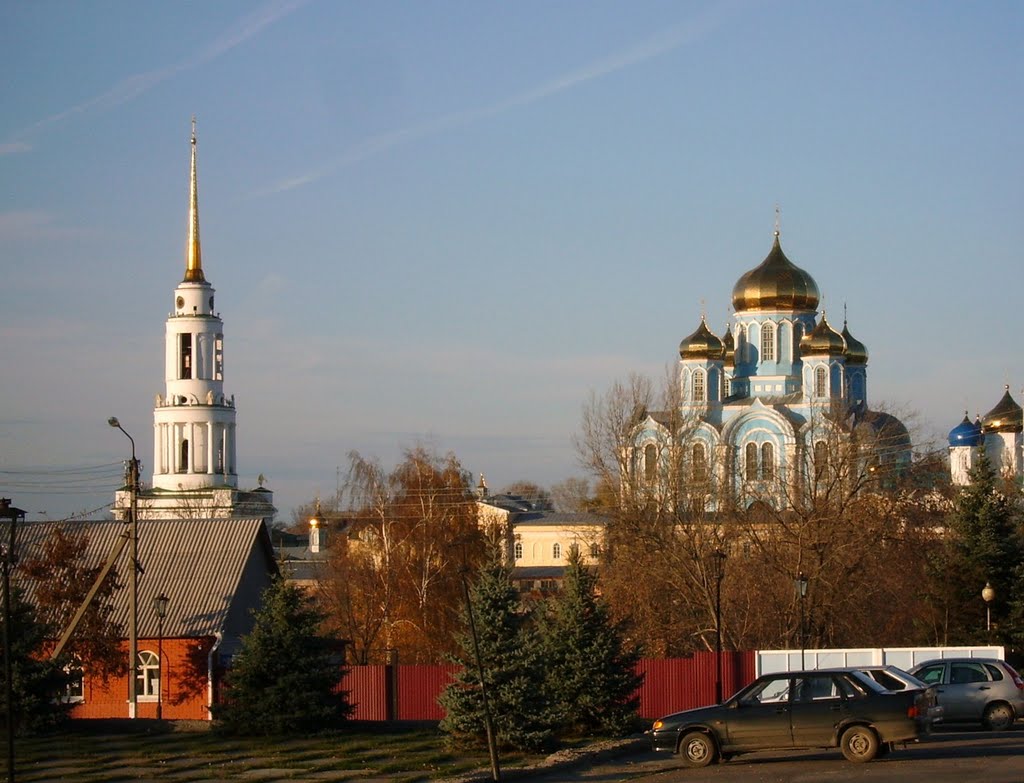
x=194 y=255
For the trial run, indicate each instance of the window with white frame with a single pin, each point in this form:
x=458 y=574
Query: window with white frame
x=148 y=679
x=767 y=461
x=519 y=550
x=595 y=550
x=650 y=462
x=699 y=389
x=820 y=382
x=751 y=462
x=699 y=460
x=556 y=551
x=768 y=343
x=75 y=690
x=820 y=458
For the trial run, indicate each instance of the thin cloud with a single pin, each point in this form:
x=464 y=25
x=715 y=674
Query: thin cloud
x=133 y=86
x=653 y=47
x=14 y=148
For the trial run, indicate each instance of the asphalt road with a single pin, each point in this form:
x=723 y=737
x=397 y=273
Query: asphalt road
x=946 y=757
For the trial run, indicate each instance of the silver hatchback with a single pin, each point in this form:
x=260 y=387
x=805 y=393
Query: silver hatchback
x=985 y=690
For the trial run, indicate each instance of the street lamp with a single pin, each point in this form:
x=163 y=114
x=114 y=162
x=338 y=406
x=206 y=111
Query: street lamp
x=133 y=575
x=160 y=606
x=800 y=583
x=718 y=565
x=988 y=593
x=10 y=557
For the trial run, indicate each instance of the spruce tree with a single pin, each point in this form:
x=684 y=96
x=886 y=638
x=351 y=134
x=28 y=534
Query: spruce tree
x=590 y=671
x=511 y=664
x=285 y=677
x=984 y=546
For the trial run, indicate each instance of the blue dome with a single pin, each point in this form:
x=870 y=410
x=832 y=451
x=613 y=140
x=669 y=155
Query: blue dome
x=966 y=433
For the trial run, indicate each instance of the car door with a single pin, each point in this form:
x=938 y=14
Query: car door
x=968 y=688
x=817 y=707
x=761 y=719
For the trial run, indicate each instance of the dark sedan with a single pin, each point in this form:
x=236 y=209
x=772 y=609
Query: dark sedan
x=815 y=709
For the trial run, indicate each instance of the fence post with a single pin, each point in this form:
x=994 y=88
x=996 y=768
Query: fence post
x=391 y=684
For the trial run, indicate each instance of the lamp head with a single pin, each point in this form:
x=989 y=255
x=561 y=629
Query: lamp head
x=113 y=422
x=160 y=605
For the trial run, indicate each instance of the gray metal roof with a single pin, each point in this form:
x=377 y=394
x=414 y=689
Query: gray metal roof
x=213 y=570
x=556 y=519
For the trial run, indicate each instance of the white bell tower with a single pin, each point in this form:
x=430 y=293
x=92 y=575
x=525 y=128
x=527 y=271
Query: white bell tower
x=193 y=422
x=194 y=455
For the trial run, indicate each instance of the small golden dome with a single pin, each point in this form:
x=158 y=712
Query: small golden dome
x=856 y=351
x=1005 y=417
x=729 y=344
x=823 y=340
x=777 y=284
x=702 y=344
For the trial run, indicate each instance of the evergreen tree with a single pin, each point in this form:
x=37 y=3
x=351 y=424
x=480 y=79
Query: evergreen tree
x=285 y=677
x=39 y=684
x=984 y=546
x=511 y=663
x=590 y=673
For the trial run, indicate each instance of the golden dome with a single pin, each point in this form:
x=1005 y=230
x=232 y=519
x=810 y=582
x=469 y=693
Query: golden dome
x=856 y=351
x=729 y=344
x=1005 y=417
x=823 y=340
x=777 y=284
x=702 y=344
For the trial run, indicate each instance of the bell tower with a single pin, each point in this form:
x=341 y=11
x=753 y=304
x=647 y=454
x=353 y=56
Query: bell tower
x=193 y=422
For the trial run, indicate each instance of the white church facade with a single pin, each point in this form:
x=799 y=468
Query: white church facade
x=764 y=409
x=999 y=433
x=195 y=472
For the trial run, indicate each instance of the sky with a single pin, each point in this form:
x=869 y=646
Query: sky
x=450 y=223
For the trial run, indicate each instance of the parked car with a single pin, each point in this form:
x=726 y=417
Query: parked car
x=827 y=708
x=892 y=678
x=985 y=690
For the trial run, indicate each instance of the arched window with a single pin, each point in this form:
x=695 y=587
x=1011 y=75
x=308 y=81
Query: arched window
x=148 y=678
x=595 y=550
x=700 y=463
x=556 y=551
x=650 y=462
x=767 y=461
x=574 y=550
x=820 y=458
x=820 y=382
x=699 y=390
x=741 y=343
x=768 y=343
x=751 y=462
x=183 y=466
x=519 y=550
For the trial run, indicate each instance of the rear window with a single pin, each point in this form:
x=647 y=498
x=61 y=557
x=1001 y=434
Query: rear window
x=993 y=672
x=886 y=680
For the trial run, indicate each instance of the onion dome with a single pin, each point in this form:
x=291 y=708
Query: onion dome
x=702 y=344
x=856 y=351
x=966 y=433
x=729 y=344
x=1005 y=417
x=824 y=340
x=777 y=284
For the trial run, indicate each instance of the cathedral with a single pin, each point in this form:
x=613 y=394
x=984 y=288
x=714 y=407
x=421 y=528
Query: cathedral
x=998 y=433
x=770 y=405
x=195 y=471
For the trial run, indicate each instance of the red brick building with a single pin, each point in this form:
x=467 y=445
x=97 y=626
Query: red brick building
x=213 y=572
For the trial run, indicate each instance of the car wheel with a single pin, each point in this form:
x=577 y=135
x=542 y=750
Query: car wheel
x=998 y=717
x=698 y=749
x=859 y=743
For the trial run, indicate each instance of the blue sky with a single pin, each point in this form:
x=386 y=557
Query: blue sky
x=449 y=222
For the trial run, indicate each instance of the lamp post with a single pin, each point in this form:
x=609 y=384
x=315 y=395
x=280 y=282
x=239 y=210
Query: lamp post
x=133 y=576
x=718 y=565
x=10 y=557
x=988 y=593
x=800 y=583
x=160 y=606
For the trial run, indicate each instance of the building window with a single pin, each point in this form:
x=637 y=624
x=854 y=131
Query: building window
x=218 y=358
x=751 y=462
x=699 y=392
x=574 y=550
x=700 y=463
x=820 y=382
x=768 y=343
x=650 y=462
x=183 y=463
x=767 y=461
x=75 y=691
x=185 y=356
x=148 y=681
x=595 y=550
x=820 y=458
x=741 y=344
x=556 y=551
x=519 y=550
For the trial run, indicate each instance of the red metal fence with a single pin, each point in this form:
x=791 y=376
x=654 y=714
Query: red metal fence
x=410 y=692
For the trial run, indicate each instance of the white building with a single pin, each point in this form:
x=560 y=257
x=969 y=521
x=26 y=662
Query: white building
x=195 y=471
x=999 y=433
